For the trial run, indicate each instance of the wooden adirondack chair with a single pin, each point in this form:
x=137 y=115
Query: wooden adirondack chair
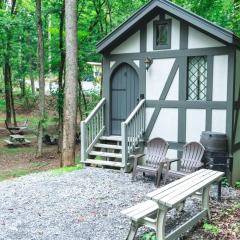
x=154 y=159
x=190 y=161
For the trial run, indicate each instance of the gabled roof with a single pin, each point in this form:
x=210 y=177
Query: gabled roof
x=151 y=7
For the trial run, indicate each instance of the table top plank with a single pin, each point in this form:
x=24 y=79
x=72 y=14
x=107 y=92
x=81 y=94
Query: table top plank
x=189 y=185
x=172 y=194
x=184 y=185
x=175 y=183
x=17 y=136
x=194 y=189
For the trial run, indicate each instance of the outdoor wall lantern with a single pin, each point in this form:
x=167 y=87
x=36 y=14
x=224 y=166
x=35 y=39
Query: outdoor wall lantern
x=148 y=62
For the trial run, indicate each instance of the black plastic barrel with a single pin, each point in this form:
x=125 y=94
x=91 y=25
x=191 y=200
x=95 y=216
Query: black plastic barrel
x=214 y=142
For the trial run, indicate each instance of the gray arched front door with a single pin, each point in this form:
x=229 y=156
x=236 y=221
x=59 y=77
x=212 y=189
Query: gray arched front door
x=124 y=95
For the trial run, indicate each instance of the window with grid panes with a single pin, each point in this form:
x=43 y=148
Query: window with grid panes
x=197 y=78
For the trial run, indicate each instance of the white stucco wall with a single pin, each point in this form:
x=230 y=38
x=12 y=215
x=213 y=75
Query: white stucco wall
x=156 y=77
x=166 y=125
x=137 y=62
x=131 y=45
x=149 y=113
x=173 y=93
x=219 y=121
x=220 y=77
x=175 y=39
x=112 y=63
x=197 y=39
x=195 y=124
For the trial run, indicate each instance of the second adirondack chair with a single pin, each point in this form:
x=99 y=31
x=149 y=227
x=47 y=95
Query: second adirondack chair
x=191 y=160
x=154 y=159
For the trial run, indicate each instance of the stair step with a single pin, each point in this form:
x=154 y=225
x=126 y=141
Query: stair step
x=108 y=146
x=103 y=163
x=111 y=138
x=105 y=154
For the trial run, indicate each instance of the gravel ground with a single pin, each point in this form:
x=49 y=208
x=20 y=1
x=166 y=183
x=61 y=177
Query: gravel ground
x=80 y=205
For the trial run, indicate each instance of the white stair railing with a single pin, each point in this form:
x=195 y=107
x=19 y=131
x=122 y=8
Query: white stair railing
x=92 y=129
x=132 y=131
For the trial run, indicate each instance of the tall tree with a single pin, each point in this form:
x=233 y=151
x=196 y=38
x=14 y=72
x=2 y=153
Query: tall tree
x=70 y=94
x=10 y=109
x=41 y=76
x=60 y=74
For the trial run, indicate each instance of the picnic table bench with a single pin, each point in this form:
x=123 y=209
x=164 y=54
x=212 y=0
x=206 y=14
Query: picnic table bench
x=17 y=139
x=152 y=213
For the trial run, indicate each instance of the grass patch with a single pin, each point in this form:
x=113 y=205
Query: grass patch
x=15 y=151
x=16 y=173
x=211 y=228
x=60 y=171
x=149 y=236
x=32 y=121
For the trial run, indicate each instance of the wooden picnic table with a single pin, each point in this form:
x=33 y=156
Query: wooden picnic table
x=17 y=139
x=152 y=213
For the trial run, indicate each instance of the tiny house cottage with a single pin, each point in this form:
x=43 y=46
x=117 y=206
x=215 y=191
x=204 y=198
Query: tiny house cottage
x=166 y=73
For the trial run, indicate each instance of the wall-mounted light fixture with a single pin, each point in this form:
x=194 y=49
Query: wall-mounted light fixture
x=148 y=62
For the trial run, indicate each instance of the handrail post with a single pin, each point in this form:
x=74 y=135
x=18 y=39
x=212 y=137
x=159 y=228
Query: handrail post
x=83 y=141
x=124 y=146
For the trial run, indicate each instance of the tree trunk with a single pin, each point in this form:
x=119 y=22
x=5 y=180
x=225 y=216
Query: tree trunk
x=49 y=45
x=23 y=87
x=41 y=77
x=10 y=110
x=12 y=100
x=60 y=78
x=7 y=92
x=70 y=93
x=32 y=82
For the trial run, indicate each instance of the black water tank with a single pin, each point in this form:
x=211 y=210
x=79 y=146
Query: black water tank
x=214 y=142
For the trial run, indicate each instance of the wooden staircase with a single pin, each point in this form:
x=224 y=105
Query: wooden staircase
x=106 y=152
x=111 y=151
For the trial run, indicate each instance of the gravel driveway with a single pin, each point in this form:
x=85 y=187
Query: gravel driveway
x=80 y=205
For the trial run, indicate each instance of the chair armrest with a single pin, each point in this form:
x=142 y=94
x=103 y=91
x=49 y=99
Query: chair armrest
x=169 y=160
x=136 y=159
x=138 y=156
x=201 y=165
x=207 y=164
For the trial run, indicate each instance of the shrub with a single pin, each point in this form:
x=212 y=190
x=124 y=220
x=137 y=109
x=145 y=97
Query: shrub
x=211 y=228
x=237 y=184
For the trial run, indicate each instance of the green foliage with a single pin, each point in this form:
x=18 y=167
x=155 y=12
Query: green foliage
x=222 y=12
x=28 y=100
x=237 y=184
x=59 y=95
x=149 y=236
x=96 y=19
x=225 y=182
x=92 y=99
x=211 y=228
x=2 y=105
